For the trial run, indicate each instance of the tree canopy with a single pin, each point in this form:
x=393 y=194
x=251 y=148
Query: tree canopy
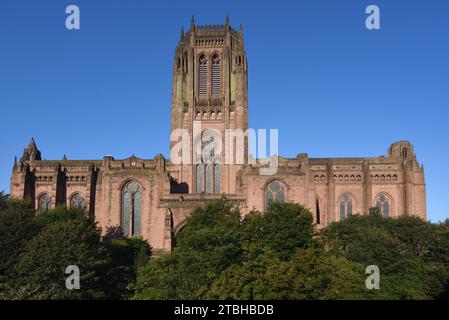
x=3 y=200
x=412 y=254
x=222 y=254
x=35 y=251
x=278 y=254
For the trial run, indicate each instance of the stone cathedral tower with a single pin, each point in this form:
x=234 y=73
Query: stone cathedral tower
x=210 y=95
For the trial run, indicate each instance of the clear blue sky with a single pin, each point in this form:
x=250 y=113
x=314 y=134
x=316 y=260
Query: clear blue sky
x=331 y=87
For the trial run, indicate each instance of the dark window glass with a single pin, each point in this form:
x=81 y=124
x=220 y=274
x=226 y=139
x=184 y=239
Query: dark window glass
x=203 y=75
x=209 y=175
x=44 y=203
x=217 y=178
x=383 y=204
x=131 y=209
x=199 y=178
x=78 y=201
x=345 y=206
x=274 y=192
x=216 y=75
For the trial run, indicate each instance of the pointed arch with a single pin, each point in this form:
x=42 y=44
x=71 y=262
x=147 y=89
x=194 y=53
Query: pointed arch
x=274 y=191
x=202 y=75
x=216 y=74
x=77 y=200
x=346 y=205
x=317 y=210
x=179 y=226
x=131 y=208
x=207 y=149
x=44 y=203
x=276 y=178
x=383 y=201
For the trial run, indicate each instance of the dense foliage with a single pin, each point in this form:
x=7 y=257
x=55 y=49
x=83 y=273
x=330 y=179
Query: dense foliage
x=277 y=254
x=17 y=227
x=35 y=251
x=3 y=200
x=208 y=245
x=280 y=255
x=412 y=254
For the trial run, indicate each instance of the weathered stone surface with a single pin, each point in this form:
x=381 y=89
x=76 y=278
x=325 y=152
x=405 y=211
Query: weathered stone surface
x=168 y=192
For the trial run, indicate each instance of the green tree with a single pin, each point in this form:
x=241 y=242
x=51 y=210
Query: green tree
x=307 y=274
x=127 y=256
x=17 y=227
x=440 y=255
x=62 y=214
x=41 y=269
x=283 y=228
x=35 y=251
x=209 y=243
x=216 y=238
x=279 y=255
x=412 y=254
x=3 y=201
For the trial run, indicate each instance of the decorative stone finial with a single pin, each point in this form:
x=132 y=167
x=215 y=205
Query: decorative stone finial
x=31 y=152
x=32 y=143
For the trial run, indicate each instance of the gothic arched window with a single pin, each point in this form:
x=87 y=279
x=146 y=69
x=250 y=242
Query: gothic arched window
x=208 y=174
x=78 y=201
x=216 y=75
x=274 y=192
x=404 y=153
x=345 y=206
x=202 y=77
x=131 y=209
x=383 y=204
x=44 y=203
x=208 y=169
x=317 y=209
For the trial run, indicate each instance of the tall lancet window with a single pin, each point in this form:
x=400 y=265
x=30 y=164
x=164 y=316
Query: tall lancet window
x=216 y=75
x=78 y=201
x=274 y=192
x=131 y=209
x=202 y=75
x=345 y=206
x=317 y=209
x=383 y=204
x=208 y=169
x=44 y=203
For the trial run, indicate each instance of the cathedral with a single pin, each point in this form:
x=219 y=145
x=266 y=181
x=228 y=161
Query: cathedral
x=152 y=198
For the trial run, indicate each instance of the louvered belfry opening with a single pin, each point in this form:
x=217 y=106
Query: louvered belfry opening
x=216 y=75
x=203 y=75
